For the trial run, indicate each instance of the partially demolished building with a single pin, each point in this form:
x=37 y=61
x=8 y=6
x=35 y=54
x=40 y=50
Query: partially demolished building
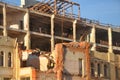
x=48 y=40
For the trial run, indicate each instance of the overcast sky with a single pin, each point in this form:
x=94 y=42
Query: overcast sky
x=106 y=11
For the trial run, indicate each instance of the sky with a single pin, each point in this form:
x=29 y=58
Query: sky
x=105 y=11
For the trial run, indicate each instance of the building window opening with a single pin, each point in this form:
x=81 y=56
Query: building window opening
x=105 y=70
x=80 y=67
x=9 y=59
x=21 y=24
x=92 y=70
x=98 y=69
x=1 y=58
x=1 y=19
x=116 y=71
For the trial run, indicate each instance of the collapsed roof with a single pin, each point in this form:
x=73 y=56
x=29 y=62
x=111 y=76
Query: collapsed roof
x=57 y=7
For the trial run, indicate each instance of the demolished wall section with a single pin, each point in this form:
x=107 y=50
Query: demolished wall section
x=75 y=47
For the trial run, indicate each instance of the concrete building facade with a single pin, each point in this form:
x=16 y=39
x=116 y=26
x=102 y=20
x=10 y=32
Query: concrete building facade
x=44 y=30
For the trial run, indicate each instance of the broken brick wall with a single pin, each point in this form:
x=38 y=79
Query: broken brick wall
x=74 y=47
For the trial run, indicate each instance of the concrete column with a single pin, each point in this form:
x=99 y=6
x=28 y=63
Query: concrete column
x=27 y=39
x=102 y=70
x=4 y=59
x=83 y=68
x=74 y=30
x=26 y=3
x=110 y=40
x=52 y=33
x=78 y=12
x=111 y=56
x=4 y=20
x=93 y=38
x=16 y=68
x=55 y=7
x=88 y=38
x=96 y=69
